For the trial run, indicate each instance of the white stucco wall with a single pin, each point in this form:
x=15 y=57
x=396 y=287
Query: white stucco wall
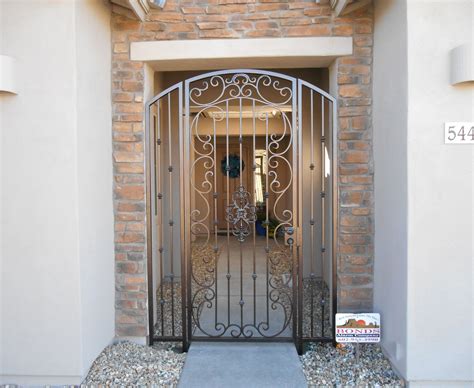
x=94 y=177
x=440 y=191
x=424 y=191
x=57 y=282
x=390 y=159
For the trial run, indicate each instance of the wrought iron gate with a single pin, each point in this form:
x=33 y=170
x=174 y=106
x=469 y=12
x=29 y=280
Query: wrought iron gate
x=242 y=208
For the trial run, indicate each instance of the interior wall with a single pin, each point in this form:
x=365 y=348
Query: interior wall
x=440 y=191
x=57 y=285
x=390 y=159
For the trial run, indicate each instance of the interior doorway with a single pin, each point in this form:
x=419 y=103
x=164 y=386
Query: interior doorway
x=241 y=188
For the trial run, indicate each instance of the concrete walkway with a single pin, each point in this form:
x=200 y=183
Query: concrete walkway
x=233 y=365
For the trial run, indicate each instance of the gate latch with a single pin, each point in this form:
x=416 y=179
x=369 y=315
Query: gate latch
x=292 y=236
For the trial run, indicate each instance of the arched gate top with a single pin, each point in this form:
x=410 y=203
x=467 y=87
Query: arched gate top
x=291 y=79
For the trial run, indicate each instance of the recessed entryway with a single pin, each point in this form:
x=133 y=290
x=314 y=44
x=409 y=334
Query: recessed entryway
x=245 y=251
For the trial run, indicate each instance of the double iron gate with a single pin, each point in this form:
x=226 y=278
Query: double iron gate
x=241 y=209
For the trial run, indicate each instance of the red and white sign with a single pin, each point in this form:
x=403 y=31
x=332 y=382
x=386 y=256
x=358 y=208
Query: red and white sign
x=363 y=327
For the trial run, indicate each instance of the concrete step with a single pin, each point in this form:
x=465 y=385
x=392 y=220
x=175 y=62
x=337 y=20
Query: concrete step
x=234 y=365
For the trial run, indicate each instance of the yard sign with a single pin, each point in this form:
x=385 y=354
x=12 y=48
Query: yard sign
x=357 y=327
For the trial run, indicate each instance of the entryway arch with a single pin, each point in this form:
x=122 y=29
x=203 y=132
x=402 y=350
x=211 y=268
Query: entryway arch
x=242 y=209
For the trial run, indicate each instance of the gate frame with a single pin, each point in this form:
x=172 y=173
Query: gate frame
x=300 y=340
x=184 y=200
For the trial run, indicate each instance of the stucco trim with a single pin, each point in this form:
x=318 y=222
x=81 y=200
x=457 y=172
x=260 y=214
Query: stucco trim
x=236 y=53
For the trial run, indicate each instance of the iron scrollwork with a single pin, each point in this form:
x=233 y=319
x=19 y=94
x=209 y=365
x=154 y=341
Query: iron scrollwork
x=241 y=214
x=212 y=98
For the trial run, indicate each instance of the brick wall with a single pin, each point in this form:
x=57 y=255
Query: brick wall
x=201 y=19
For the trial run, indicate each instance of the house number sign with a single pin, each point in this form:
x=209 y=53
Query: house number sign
x=459 y=133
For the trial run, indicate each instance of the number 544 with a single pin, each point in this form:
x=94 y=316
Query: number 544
x=459 y=133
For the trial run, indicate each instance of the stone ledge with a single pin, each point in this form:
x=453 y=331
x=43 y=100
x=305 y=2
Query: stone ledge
x=236 y=53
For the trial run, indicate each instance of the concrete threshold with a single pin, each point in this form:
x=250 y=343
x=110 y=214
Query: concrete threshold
x=226 y=364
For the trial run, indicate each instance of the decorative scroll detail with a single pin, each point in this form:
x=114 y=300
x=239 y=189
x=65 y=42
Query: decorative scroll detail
x=241 y=214
x=261 y=90
x=241 y=85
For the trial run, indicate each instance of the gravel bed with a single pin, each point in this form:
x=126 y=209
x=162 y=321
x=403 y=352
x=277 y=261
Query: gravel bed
x=129 y=364
x=325 y=365
x=317 y=288
x=203 y=257
x=165 y=311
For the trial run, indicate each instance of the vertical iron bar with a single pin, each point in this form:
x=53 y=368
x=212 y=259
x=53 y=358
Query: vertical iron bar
x=227 y=204
x=154 y=148
x=294 y=254
x=254 y=229
x=241 y=242
x=300 y=296
x=149 y=247
x=323 y=212
x=312 y=256
x=334 y=212
x=215 y=219
x=187 y=212
x=171 y=208
x=160 y=240
x=267 y=221
x=182 y=216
